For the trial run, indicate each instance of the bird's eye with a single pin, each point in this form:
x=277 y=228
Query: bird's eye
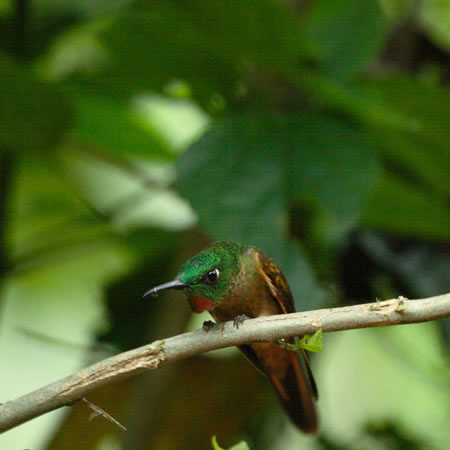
x=212 y=276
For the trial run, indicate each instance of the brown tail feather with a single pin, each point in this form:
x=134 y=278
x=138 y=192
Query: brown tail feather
x=296 y=395
x=292 y=380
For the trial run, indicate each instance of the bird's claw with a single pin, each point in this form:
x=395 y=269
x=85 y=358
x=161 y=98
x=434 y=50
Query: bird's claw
x=239 y=320
x=207 y=325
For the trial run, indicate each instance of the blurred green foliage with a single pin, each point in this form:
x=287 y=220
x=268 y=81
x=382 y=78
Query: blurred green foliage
x=134 y=132
x=240 y=446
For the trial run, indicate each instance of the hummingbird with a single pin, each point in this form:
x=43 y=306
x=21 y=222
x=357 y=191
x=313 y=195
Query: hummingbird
x=233 y=282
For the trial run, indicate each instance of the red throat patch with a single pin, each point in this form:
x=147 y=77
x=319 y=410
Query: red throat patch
x=201 y=304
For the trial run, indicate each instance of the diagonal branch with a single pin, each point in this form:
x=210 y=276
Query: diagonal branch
x=271 y=328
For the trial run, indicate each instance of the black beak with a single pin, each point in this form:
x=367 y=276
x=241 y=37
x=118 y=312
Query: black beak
x=175 y=284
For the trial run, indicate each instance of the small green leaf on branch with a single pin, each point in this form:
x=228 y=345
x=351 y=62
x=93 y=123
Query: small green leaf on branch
x=312 y=343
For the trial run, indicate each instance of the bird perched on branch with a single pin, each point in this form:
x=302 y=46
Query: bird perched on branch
x=234 y=282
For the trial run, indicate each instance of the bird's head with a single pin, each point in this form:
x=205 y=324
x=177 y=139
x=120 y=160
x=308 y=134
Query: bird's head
x=207 y=278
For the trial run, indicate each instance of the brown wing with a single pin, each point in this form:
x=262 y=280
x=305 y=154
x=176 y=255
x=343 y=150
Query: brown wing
x=290 y=375
x=277 y=283
x=281 y=292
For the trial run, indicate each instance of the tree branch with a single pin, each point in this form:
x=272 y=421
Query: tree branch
x=271 y=328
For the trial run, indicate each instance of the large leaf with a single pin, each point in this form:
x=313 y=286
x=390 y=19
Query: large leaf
x=420 y=149
x=211 y=45
x=333 y=163
x=398 y=206
x=349 y=33
x=33 y=115
x=115 y=127
x=152 y=47
x=242 y=174
x=411 y=198
x=264 y=33
x=408 y=122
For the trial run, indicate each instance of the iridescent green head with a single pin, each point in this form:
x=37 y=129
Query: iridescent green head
x=208 y=277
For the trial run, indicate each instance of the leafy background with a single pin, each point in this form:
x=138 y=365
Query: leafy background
x=132 y=133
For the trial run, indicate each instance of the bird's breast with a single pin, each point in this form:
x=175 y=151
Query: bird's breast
x=252 y=306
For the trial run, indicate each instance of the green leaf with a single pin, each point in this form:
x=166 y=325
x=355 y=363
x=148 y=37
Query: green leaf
x=397 y=206
x=214 y=444
x=312 y=343
x=239 y=446
x=411 y=197
x=421 y=149
x=151 y=47
x=333 y=163
x=350 y=34
x=33 y=115
x=210 y=45
x=115 y=127
x=408 y=122
x=265 y=33
x=303 y=156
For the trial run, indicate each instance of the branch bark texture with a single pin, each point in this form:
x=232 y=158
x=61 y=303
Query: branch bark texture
x=71 y=389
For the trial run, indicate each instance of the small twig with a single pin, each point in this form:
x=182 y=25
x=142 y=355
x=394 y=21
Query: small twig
x=100 y=412
x=271 y=328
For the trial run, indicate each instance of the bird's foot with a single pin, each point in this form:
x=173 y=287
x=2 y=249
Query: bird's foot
x=239 y=320
x=207 y=325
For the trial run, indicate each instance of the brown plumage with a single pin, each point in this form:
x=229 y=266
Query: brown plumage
x=289 y=373
x=235 y=281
